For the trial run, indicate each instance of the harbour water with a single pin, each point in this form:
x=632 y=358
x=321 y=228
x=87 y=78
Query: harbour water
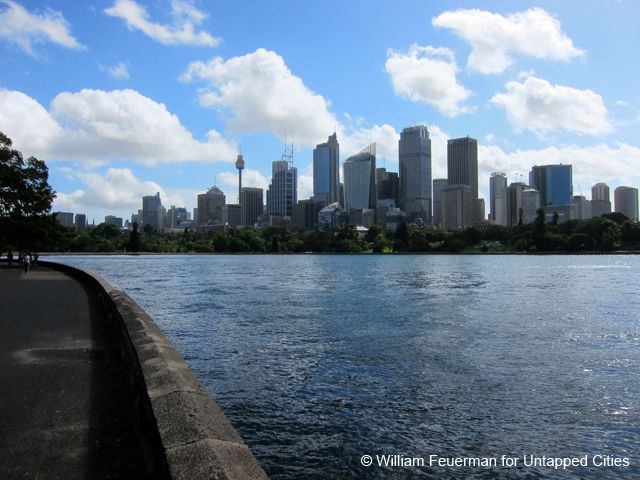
x=320 y=360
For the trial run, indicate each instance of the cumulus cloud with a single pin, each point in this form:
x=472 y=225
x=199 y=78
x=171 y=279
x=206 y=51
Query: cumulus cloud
x=25 y=29
x=615 y=165
x=427 y=75
x=494 y=38
x=258 y=92
x=353 y=139
x=119 y=71
x=117 y=191
x=100 y=126
x=537 y=105
x=186 y=17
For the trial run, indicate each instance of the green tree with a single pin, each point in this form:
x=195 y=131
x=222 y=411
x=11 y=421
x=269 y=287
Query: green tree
x=133 y=245
x=539 y=230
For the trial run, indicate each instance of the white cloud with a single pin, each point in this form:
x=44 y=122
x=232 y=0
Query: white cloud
x=258 y=92
x=537 y=105
x=25 y=29
x=186 y=17
x=353 y=139
x=119 y=71
x=99 y=126
x=615 y=165
x=228 y=181
x=427 y=75
x=494 y=38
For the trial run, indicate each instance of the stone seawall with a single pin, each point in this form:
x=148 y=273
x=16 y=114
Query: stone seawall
x=183 y=432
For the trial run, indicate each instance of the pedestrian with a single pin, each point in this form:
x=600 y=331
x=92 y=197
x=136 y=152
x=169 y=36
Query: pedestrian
x=10 y=258
x=26 y=263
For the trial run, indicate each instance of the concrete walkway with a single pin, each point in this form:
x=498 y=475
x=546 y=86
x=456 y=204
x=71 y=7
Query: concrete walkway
x=64 y=412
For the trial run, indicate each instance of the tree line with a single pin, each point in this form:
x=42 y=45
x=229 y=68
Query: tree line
x=27 y=224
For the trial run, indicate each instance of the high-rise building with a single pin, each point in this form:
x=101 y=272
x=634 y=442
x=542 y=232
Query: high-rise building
x=176 y=216
x=581 y=207
x=530 y=204
x=240 y=167
x=113 y=220
x=210 y=207
x=600 y=200
x=305 y=214
x=65 y=219
x=462 y=163
x=388 y=186
x=251 y=205
x=456 y=207
x=415 y=173
x=497 y=201
x=231 y=214
x=438 y=185
x=513 y=194
x=326 y=171
x=554 y=182
x=626 y=202
x=152 y=211
x=282 y=194
x=81 y=222
x=360 y=180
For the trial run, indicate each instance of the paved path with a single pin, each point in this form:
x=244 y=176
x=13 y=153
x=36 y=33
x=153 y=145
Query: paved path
x=63 y=410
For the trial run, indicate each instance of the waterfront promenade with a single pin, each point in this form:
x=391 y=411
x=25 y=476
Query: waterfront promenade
x=65 y=410
x=91 y=388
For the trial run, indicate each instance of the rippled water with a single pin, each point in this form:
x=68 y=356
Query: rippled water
x=320 y=359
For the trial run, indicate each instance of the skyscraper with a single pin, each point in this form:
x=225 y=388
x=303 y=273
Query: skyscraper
x=600 y=200
x=388 y=186
x=626 y=201
x=513 y=195
x=555 y=184
x=251 y=205
x=152 y=211
x=415 y=173
x=462 y=163
x=210 y=207
x=530 y=200
x=326 y=171
x=497 y=201
x=456 y=207
x=282 y=194
x=360 y=180
x=581 y=208
x=438 y=185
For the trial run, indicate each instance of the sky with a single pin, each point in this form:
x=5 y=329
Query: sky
x=125 y=98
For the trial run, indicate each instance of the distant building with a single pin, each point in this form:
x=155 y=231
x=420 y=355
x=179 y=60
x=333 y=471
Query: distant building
x=626 y=202
x=414 y=148
x=65 y=219
x=438 y=185
x=177 y=217
x=231 y=215
x=251 y=205
x=329 y=215
x=360 y=180
x=305 y=215
x=530 y=202
x=513 y=195
x=394 y=218
x=364 y=217
x=113 y=220
x=462 y=169
x=282 y=194
x=388 y=186
x=581 y=208
x=555 y=184
x=152 y=211
x=456 y=207
x=81 y=222
x=210 y=207
x=497 y=201
x=326 y=171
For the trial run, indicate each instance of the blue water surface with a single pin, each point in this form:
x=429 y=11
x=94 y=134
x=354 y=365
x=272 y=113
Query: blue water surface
x=320 y=359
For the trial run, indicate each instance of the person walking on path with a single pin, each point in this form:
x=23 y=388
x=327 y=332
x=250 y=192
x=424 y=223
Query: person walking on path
x=26 y=263
x=10 y=258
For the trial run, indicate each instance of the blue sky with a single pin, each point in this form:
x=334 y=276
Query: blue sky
x=124 y=98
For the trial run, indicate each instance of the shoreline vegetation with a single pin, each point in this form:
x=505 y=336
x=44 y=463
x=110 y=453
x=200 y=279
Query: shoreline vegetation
x=610 y=234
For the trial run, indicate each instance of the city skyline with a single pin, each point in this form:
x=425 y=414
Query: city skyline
x=114 y=127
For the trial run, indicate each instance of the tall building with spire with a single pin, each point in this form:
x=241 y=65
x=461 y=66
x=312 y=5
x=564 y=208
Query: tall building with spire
x=282 y=194
x=414 y=149
x=326 y=171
